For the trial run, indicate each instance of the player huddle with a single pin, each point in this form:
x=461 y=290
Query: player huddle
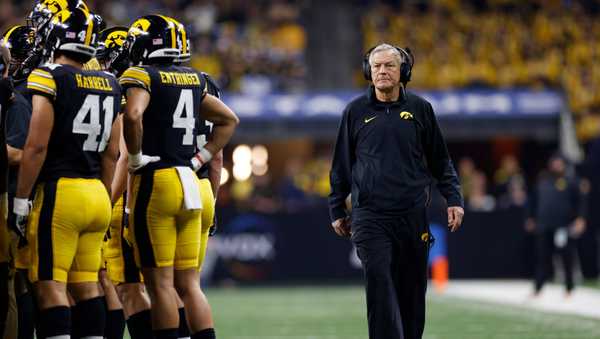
x=114 y=149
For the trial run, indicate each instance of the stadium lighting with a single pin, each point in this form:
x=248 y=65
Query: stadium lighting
x=242 y=154
x=259 y=170
x=260 y=155
x=242 y=171
x=224 y=176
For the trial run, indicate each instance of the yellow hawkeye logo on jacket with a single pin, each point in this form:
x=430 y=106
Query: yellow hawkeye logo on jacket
x=406 y=115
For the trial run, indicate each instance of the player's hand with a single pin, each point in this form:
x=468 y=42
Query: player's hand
x=455 y=217
x=341 y=226
x=21 y=210
x=202 y=157
x=213 y=229
x=137 y=161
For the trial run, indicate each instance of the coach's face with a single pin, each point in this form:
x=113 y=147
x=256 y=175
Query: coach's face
x=385 y=70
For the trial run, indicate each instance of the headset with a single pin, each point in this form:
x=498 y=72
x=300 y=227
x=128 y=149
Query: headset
x=405 y=68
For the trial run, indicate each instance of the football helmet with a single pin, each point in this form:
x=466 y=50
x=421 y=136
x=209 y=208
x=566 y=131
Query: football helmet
x=20 y=41
x=40 y=18
x=72 y=31
x=152 y=38
x=111 y=50
x=183 y=42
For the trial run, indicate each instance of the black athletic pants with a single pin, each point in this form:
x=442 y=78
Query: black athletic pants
x=545 y=249
x=394 y=255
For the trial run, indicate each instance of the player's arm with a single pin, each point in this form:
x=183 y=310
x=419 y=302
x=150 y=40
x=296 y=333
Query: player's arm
x=214 y=172
x=216 y=164
x=120 y=179
x=135 y=81
x=111 y=154
x=36 y=146
x=137 y=101
x=43 y=87
x=224 y=124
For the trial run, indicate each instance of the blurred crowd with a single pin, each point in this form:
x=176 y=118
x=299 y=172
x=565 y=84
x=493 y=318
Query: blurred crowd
x=249 y=46
x=499 y=43
x=303 y=183
x=506 y=189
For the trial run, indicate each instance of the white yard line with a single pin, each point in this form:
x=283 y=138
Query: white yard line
x=583 y=301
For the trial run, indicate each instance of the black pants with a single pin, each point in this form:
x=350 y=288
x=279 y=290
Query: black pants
x=394 y=258
x=545 y=249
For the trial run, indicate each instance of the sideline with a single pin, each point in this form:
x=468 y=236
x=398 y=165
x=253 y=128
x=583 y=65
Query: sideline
x=584 y=301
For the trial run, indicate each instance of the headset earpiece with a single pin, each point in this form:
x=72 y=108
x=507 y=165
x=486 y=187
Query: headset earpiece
x=366 y=67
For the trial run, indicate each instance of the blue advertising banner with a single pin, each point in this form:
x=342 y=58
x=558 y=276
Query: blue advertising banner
x=463 y=103
x=254 y=248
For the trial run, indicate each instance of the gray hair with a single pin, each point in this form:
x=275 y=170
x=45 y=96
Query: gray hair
x=387 y=47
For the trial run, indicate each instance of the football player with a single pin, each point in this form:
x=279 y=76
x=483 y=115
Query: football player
x=70 y=152
x=209 y=175
x=6 y=93
x=20 y=40
x=166 y=201
x=118 y=253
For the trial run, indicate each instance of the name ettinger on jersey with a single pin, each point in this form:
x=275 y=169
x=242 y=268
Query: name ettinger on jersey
x=181 y=79
x=93 y=82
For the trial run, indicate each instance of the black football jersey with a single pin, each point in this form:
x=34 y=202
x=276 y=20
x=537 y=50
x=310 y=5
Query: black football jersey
x=5 y=95
x=86 y=104
x=169 y=122
x=204 y=128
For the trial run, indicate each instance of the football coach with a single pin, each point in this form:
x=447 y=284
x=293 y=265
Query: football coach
x=389 y=151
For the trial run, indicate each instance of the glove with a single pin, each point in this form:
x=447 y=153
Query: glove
x=127 y=235
x=21 y=210
x=213 y=229
x=139 y=160
x=202 y=157
x=125 y=221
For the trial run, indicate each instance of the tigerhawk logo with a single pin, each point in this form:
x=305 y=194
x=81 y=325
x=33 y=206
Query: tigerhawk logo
x=406 y=115
x=425 y=236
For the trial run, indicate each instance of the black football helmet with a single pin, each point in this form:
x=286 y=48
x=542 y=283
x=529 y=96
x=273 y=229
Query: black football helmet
x=152 y=38
x=40 y=18
x=42 y=14
x=74 y=32
x=183 y=42
x=20 y=41
x=111 y=52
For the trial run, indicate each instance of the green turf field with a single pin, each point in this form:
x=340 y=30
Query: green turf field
x=338 y=312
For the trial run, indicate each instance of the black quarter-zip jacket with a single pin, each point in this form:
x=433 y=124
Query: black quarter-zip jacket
x=387 y=155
